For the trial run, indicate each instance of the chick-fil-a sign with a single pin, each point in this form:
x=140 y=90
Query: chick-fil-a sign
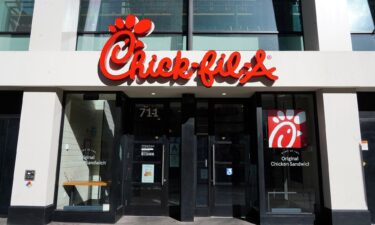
x=122 y=57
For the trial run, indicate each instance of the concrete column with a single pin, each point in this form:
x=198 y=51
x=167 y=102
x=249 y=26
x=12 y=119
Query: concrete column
x=54 y=25
x=343 y=182
x=188 y=159
x=37 y=150
x=326 y=25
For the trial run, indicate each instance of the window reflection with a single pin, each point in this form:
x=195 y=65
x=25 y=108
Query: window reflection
x=167 y=15
x=16 y=15
x=15 y=24
x=247 y=15
x=361 y=15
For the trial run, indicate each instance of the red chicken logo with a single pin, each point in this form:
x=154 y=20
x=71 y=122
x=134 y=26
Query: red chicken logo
x=287 y=129
x=125 y=34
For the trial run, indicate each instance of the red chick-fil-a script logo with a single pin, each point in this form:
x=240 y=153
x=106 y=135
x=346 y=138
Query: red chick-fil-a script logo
x=287 y=129
x=122 y=57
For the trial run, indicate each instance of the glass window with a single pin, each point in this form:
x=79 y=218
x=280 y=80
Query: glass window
x=247 y=15
x=169 y=17
x=91 y=125
x=247 y=42
x=363 y=42
x=290 y=153
x=15 y=24
x=155 y=42
x=266 y=22
x=361 y=17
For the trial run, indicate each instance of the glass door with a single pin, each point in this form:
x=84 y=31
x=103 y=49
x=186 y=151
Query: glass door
x=223 y=160
x=228 y=168
x=147 y=162
x=146 y=178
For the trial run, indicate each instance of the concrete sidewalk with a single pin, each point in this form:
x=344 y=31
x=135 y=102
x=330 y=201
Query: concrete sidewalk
x=162 y=220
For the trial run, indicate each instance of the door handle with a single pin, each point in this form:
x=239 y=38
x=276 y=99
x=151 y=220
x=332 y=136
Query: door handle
x=162 y=167
x=213 y=166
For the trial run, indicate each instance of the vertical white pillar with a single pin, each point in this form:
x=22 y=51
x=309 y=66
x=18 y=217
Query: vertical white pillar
x=54 y=25
x=326 y=25
x=343 y=182
x=37 y=150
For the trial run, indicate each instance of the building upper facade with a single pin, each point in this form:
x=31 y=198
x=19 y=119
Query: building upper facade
x=266 y=24
x=64 y=40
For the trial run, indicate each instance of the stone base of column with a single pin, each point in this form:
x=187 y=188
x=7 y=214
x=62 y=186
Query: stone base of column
x=31 y=215
x=347 y=217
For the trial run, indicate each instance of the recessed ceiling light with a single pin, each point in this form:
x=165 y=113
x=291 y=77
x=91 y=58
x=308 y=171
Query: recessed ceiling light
x=223 y=93
x=153 y=93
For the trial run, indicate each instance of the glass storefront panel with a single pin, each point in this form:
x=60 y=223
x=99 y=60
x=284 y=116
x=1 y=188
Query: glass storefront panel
x=363 y=42
x=155 y=42
x=90 y=130
x=247 y=42
x=247 y=15
x=14 y=42
x=16 y=15
x=290 y=153
x=15 y=24
x=167 y=15
x=361 y=18
x=361 y=15
x=367 y=122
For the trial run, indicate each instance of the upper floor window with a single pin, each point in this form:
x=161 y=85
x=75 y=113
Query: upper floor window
x=15 y=24
x=247 y=25
x=361 y=16
x=169 y=17
x=217 y=24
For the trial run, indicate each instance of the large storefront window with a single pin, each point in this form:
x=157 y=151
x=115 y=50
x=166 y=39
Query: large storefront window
x=247 y=25
x=169 y=17
x=361 y=17
x=15 y=24
x=290 y=153
x=90 y=129
x=367 y=121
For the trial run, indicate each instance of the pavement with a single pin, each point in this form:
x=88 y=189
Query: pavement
x=161 y=220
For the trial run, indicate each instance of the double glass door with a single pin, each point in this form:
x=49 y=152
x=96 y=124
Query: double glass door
x=223 y=162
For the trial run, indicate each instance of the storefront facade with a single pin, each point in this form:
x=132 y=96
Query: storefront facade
x=252 y=109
